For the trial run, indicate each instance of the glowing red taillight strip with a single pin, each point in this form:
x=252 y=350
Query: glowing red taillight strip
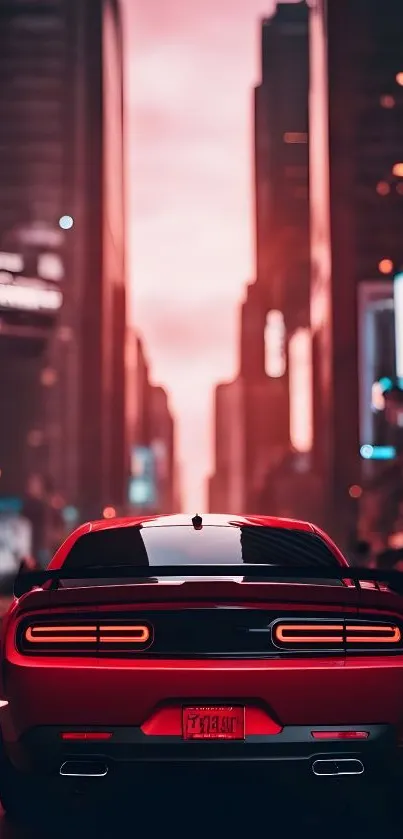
x=340 y=735
x=299 y=628
x=123 y=634
x=323 y=633
x=141 y=638
x=382 y=638
x=50 y=634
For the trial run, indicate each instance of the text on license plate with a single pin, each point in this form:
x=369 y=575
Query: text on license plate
x=212 y=722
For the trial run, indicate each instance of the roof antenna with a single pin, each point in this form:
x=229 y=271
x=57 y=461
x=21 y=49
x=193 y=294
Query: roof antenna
x=197 y=522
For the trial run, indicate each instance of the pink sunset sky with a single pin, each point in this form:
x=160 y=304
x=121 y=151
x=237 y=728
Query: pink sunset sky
x=191 y=67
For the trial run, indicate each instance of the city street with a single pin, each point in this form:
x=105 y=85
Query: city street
x=233 y=826
x=232 y=817
x=201 y=419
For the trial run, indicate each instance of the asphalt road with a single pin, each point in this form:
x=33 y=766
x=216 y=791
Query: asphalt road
x=228 y=816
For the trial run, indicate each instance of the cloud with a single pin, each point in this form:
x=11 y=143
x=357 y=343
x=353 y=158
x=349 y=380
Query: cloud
x=187 y=339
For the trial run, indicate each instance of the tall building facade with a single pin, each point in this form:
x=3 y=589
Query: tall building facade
x=226 y=489
x=277 y=302
x=62 y=218
x=153 y=485
x=283 y=257
x=356 y=127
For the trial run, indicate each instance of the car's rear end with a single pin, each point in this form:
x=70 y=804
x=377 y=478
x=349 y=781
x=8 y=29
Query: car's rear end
x=251 y=672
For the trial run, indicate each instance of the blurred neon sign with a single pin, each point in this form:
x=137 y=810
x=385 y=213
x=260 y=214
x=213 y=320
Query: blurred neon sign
x=29 y=298
x=301 y=405
x=11 y=262
x=378 y=391
x=398 y=304
x=369 y=452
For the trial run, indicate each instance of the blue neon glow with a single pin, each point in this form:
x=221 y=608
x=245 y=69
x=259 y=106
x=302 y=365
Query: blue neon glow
x=70 y=514
x=369 y=452
x=11 y=505
x=386 y=384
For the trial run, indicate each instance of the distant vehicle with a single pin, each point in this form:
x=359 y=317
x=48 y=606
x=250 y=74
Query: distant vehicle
x=244 y=642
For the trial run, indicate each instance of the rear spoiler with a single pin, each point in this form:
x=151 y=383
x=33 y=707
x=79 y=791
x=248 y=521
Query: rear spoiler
x=27 y=580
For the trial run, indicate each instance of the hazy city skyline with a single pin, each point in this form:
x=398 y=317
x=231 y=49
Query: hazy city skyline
x=190 y=76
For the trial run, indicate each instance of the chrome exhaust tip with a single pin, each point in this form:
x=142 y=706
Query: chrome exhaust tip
x=83 y=769
x=340 y=766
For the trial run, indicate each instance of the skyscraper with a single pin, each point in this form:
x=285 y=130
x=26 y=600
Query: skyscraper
x=277 y=302
x=282 y=243
x=356 y=129
x=62 y=217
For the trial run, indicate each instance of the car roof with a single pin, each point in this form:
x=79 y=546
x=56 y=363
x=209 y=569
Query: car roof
x=183 y=520
x=213 y=519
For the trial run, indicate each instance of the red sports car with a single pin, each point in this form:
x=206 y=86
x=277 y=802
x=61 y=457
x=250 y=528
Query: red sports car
x=178 y=642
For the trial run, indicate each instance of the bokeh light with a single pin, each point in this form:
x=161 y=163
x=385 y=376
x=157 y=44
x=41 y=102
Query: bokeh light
x=66 y=222
x=385 y=266
x=388 y=101
x=109 y=513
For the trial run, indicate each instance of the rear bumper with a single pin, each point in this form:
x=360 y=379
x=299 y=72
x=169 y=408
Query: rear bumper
x=83 y=692
x=291 y=752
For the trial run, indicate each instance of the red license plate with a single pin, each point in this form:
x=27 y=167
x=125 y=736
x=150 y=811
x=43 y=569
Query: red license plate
x=211 y=722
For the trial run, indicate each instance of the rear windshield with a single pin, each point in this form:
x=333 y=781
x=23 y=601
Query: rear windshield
x=183 y=545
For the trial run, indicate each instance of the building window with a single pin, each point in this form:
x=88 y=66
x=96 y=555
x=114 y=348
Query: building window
x=295 y=137
x=274 y=340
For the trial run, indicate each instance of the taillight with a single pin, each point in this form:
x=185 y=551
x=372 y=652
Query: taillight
x=137 y=634
x=370 y=633
x=308 y=633
x=64 y=637
x=322 y=634
x=61 y=634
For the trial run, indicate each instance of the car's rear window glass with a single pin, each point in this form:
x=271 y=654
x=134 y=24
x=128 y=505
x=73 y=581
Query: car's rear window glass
x=183 y=545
